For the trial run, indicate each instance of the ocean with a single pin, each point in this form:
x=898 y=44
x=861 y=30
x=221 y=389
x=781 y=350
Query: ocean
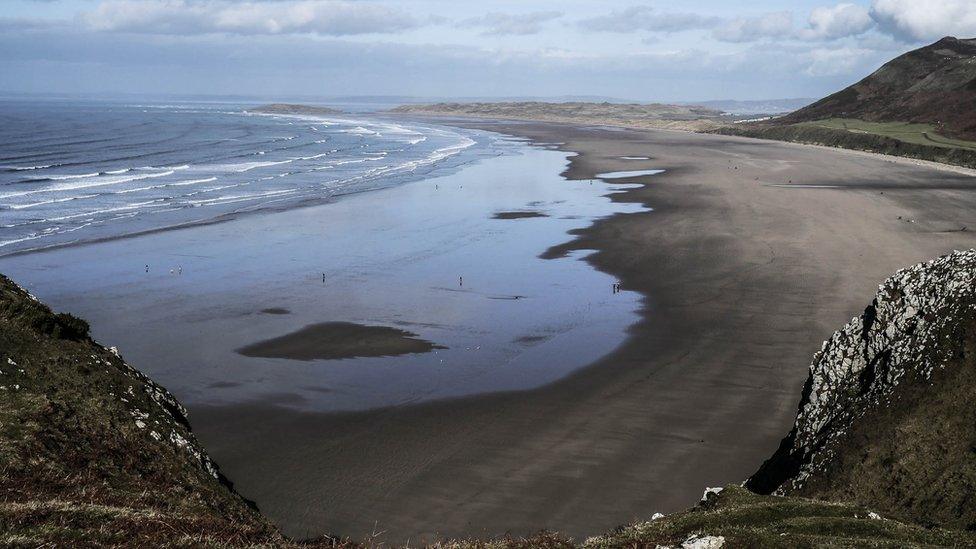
x=73 y=171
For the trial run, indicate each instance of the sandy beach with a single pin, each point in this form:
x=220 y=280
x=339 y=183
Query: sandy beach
x=743 y=279
x=735 y=262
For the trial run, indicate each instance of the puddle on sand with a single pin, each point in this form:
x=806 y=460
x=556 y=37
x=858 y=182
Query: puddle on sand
x=621 y=175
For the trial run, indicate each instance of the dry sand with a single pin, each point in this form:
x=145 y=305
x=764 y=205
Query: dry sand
x=743 y=281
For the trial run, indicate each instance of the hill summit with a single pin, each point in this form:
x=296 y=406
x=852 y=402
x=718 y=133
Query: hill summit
x=933 y=85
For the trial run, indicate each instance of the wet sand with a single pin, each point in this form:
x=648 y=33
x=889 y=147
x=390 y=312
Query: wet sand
x=518 y=215
x=338 y=340
x=743 y=279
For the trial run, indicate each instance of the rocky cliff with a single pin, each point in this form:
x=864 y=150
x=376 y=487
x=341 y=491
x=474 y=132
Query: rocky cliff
x=888 y=413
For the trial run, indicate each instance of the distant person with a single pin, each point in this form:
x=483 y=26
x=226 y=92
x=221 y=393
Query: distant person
x=147 y=267
x=460 y=281
x=180 y=270
x=323 y=278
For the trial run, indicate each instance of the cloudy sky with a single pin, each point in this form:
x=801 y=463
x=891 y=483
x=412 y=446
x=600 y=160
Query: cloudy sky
x=651 y=50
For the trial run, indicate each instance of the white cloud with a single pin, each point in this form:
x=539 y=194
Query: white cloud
x=638 y=18
x=771 y=25
x=327 y=17
x=286 y=65
x=839 y=21
x=918 y=20
x=839 y=61
x=504 y=23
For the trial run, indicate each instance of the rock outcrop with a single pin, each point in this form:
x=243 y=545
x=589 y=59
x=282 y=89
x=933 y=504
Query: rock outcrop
x=888 y=414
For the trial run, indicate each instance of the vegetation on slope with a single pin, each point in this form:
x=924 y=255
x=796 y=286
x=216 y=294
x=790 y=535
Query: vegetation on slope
x=935 y=84
x=736 y=517
x=918 y=105
x=821 y=134
x=94 y=453
x=907 y=132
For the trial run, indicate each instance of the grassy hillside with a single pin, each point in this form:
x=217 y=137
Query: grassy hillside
x=94 y=453
x=737 y=517
x=934 y=85
x=906 y=132
x=818 y=133
x=918 y=105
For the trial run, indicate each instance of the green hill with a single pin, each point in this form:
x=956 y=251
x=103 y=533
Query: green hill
x=919 y=105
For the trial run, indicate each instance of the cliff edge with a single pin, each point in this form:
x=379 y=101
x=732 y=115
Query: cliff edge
x=94 y=453
x=887 y=415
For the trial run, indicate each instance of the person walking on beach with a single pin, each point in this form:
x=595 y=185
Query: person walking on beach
x=147 y=267
x=180 y=269
x=460 y=281
x=323 y=278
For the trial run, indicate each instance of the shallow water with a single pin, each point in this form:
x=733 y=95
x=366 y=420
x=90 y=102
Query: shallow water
x=391 y=257
x=621 y=175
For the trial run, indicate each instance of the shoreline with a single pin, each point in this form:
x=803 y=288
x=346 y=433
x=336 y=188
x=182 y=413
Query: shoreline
x=480 y=148
x=699 y=394
x=463 y=120
x=398 y=266
x=741 y=281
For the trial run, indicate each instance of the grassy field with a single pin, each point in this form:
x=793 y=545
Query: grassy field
x=919 y=134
